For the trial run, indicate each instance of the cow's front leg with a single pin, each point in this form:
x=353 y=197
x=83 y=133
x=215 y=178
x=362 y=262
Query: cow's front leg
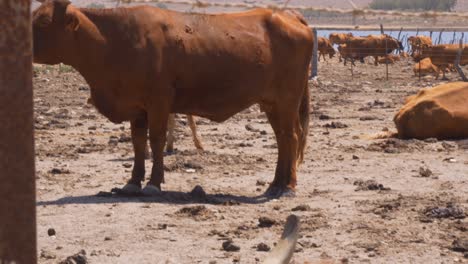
x=157 y=135
x=139 y=128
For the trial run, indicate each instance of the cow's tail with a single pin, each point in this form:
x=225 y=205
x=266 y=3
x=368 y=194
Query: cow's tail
x=285 y=247
x=304 y=117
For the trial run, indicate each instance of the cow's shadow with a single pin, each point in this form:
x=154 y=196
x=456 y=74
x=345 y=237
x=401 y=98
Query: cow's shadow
x=166 y=197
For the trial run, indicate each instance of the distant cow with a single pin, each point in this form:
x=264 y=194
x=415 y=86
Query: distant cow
x=325 y=48
x=425 y=67
x=416 y=42
x=389 y=58
x=443 y=56
x=372 y=45
x=143 y=63
x=440 y=112
x=339 y=38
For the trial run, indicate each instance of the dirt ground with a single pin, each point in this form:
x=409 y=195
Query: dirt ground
x=360 y=200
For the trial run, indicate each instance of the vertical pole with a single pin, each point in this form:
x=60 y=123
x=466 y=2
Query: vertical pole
x=314 y=55
x=417 y=31
x=420 y=69
x=440 y=37
x=457 y=61
x=17 y=180
x=430 y=34
x=381 y=29
x=453 y=38
x=386 y=59
x=399 y=35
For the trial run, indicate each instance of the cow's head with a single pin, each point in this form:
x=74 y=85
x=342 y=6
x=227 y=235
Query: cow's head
x=54 y=24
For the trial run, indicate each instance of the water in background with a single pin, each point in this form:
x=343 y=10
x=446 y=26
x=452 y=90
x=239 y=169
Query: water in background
x=447 y=37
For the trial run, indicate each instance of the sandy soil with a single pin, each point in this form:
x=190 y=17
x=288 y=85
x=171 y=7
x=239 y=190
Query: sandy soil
x=360 y=200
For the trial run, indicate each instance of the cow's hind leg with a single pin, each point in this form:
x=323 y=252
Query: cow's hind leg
x=139 y=128
x=284 y=124
x=193 y=128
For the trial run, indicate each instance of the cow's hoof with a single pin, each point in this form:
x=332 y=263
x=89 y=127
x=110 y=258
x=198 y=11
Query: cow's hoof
x=131 y=188
x=278 y=192
x=151 y=190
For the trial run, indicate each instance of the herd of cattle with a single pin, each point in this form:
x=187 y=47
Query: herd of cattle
x=143 y=64
x=428 y=58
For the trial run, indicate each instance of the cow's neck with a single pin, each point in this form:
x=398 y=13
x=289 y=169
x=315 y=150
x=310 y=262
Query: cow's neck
x=92 y=45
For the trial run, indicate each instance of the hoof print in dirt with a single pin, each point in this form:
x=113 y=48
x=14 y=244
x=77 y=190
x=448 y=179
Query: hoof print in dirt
x=451 y=211
x=78 y=258
x=266 y=222
x=369 y=185
x=230 y=246
x=199 y=212
x=302 y=207
x=335 y=125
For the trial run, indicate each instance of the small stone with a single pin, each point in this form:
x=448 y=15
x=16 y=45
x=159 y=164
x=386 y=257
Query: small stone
x=261 y=183
x=263 y=247
x=230 y=246
x=355 y=157
x=198 y=192
x=266 y=222
x=78 y=258
x=107 y=238
x=51 y=232
x=425 y=172
x=127 y=165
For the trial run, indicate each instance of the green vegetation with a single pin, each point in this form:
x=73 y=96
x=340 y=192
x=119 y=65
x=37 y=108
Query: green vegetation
x=426 y=5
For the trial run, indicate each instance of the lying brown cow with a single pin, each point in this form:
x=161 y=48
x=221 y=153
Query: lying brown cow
x=443 y=56
x=425 y=67
x=389 y=58
x=170 y=131
x=325 y=48
x=440 y=112
x=143 y=63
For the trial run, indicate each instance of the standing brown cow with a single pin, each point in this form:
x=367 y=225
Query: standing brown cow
x=443 y=56
x=143 y=63
x=324 y=48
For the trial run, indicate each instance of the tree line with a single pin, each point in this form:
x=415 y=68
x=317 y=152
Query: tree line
x=426 y=5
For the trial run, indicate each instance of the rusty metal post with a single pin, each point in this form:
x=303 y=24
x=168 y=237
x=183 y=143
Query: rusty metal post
x=386 y=60
x=381 y=29
x=315 y=55
x=457 y=61
x=17 y=180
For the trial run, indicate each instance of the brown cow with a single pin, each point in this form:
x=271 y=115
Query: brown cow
x=372 y=45
x=425 y=67
x=324 y=48
x=339 y=38
x=416 y=42
x=170 y=131
x=440 y=112
x=143 y=63
x=444 y=55
x=389 y=58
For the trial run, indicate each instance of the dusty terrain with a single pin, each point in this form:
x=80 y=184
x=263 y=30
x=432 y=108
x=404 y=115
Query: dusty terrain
x=413 y=212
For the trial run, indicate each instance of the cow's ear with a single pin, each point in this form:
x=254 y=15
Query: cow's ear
x=72 y=22
x=60 y=8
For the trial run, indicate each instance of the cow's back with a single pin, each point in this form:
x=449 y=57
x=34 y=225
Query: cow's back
x=440 y=112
